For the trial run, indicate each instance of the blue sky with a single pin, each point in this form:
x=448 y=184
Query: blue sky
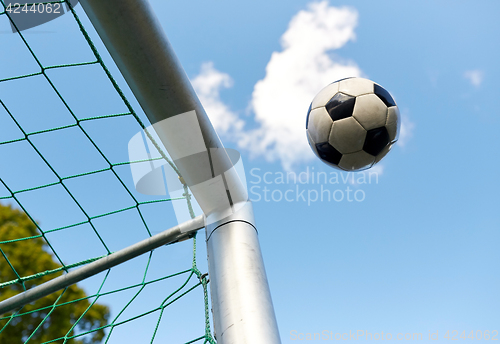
x=420 y=252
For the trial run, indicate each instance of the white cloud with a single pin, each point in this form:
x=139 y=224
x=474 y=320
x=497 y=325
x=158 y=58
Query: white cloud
x=406 y=130
x=475 y=77
x=293 y=78
x=208 y=85
x=377 y=169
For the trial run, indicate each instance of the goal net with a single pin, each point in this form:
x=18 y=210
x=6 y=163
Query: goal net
x=67 y=197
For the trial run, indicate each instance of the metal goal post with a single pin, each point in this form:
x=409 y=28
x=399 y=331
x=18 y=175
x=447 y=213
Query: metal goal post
x=241 y=300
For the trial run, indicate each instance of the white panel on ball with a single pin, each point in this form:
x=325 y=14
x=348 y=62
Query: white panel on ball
x=347 y=135
x=312 y=144
x=393 y=123
x=356 y=86
x=370 y=111
x=325 y=95
x=356 y=161
x=319 y=125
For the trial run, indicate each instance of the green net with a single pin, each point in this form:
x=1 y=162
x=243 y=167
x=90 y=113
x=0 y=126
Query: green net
x=62 y=164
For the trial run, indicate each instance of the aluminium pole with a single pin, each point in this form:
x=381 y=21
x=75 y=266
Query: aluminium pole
x=241 y=300
x=169 y=236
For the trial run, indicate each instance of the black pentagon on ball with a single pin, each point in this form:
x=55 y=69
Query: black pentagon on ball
x=340 y=106
x=328 y=153
x=384 y=95
x=308 y=112
x=375 y=141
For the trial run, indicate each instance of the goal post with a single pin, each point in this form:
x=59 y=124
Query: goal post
x=241 y=300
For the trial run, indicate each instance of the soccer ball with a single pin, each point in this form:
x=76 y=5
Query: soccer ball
x=352 y=124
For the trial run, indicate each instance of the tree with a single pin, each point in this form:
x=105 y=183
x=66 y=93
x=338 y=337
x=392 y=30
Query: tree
x=29 y=257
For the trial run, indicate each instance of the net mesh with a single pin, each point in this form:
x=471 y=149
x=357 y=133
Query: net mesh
x=87 y=201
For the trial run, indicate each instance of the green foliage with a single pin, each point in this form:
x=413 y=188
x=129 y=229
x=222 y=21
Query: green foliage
x=39 y=324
